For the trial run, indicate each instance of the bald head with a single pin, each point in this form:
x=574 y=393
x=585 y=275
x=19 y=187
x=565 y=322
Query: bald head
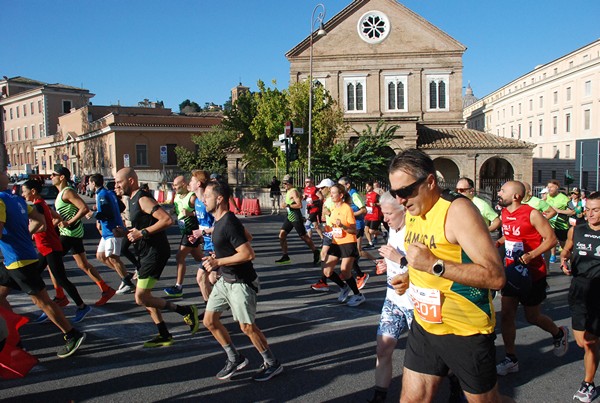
x=4 y=180
x=180 y=185
x=126 y=180
x=518 y=188
x=511 y=193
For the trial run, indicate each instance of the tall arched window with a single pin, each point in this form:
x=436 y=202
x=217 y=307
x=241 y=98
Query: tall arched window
x=438 y=92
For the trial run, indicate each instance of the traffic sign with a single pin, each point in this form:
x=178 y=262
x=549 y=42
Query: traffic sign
x=289 y=127
x=298 y=130
x=163 y=154
x=278 y=144
x=126 y=160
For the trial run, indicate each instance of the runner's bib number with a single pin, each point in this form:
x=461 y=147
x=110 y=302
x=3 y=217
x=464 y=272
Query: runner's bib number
x=427 y=303
x=337 y=232
x=511 y=248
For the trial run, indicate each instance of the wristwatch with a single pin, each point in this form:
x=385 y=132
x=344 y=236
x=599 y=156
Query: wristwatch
x=145 y=233
x=438 y=268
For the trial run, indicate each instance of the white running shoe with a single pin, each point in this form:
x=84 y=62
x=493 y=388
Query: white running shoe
x=507 y=366
x=344 y=294
x=356 y=300
x=562 y=345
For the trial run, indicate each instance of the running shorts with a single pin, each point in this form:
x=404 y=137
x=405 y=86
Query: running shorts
x=374 y=225
x=186 y=242
x=110 y=246
x=344 y=250
x=239 y=297
x=298 y=225
x=584 y=301
x=69 y=242
x=536 y=295
x=394 y=320
x=27 y=278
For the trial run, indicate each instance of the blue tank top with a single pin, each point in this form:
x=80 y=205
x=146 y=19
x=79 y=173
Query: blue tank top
x=16 y=245
x=205 y=220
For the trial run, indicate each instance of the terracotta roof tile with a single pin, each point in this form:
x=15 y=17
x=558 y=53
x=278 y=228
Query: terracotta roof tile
x=448 y=138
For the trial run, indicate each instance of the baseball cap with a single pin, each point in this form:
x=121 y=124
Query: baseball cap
x=575 y=190
x=215 y=176
x=63 y=171
x=544 y=190
x=326 y=183
x=287 y=179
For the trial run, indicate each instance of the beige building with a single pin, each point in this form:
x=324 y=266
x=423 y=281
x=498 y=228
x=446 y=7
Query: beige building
x=557 y=107
x=29 y=114
x=380 y=60
x=104 y=139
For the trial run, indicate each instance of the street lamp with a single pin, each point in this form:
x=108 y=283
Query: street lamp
x=320 y=32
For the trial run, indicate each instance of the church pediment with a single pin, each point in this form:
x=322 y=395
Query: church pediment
x=369 y=28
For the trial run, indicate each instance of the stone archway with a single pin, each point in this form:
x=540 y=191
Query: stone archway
x=492 y=174
x=447 y=171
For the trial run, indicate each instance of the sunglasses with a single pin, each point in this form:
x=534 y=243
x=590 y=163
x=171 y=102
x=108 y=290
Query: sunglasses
x=462 y=190
x=407 y=191
x=54 y=174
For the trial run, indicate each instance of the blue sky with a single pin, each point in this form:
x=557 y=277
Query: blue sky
x=127 y=50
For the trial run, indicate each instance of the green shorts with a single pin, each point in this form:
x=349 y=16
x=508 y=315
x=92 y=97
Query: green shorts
x=239 y=297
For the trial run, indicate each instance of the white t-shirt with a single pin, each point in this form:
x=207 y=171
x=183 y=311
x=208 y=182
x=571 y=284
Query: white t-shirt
x=396 y=239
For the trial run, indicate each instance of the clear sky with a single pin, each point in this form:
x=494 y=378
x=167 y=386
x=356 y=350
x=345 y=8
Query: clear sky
x=127 y=50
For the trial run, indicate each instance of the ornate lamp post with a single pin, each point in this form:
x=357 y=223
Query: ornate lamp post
x=321 y=32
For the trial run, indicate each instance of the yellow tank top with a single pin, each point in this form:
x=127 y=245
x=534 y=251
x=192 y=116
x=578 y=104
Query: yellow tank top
x=441 y=305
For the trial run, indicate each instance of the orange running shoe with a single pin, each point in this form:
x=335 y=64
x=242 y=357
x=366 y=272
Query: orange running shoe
x=106 y=296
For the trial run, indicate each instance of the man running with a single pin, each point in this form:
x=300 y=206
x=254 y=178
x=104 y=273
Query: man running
x=466 y=187
x=537 y=203
x=314 y=207
x=324 y=188
x=21 y=270
x=560 y=222
x=148 y=235
x=184 y=210
x=527 y=235
x=70 y=209
x=293 y=220
x=237 y=287
x=583 y=248
x=373 y=216
x=108 y=215
x=451 y=273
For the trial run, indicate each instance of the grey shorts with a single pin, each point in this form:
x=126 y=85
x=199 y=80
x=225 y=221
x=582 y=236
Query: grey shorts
x=239 y=297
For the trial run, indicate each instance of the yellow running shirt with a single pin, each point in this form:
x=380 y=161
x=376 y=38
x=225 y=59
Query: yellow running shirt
x=441 y=305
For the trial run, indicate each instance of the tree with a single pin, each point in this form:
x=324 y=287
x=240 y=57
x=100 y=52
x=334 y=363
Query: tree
x=211 y=151
x=188 y=106
x=363 y=160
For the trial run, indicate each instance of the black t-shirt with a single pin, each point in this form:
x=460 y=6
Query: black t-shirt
x=586 y=252
x=228 y=234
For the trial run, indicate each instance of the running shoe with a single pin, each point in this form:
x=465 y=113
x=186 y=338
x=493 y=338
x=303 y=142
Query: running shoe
x=267 y=371
x=368 y=246
x=561 y=344
x=106 y=296
x=380 y=267
x=320 y=286
x=586 y=393
x=81 y=313
x=231 y=367
x=62 y=302
x=553 y=259
x=191 y=319
x=507 y=366
x=285 y=259
x=40 y=319
x=174 y=292
x=159 y=341
x=125 y=289
x=316 y=257
x=361 y=281
x=344 y=294
x=71 y=345
x=356 y=300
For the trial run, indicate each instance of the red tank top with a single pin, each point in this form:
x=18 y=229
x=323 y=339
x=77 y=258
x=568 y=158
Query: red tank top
x=373 y=211
x=47 y=241
x=312 y=200
x=521 y=235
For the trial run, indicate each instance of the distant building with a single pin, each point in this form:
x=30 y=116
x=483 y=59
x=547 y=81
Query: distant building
x=381 y=61
x=29 y=114
x=557 y=107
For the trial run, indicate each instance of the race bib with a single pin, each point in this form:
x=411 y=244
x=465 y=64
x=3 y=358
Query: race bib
x=427 y=303
x=512 y=247
x=181 y=224
x=369 y=210
x=309 y=200
x=337 y=232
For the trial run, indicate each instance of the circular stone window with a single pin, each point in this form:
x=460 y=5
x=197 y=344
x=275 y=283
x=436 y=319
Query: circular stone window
x=373 y=27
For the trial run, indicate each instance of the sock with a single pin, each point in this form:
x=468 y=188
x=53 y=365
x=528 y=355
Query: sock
x=183 y=310
x=102 y=285
x=512 y=357
x=268 y=357
x=162 y=330
x=178 y=285
x=336 y=279
x=232 y=353
x=379 y=394
x=60 y=293
x=357 y=269
x=352 y=284
x=71 y=333
x=324 y=279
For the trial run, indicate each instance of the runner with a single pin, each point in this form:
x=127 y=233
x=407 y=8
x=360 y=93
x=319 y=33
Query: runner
x=343 y=223
x=537 y=203
x=397 y=311
x=314 y=207
x=148 y=235
x=576 y=207
x=559 y=222
x=373 y=216
x=466 y=187
x=275 y=195
x=108 y=215
x=293 y=204
x=527 y=235
x=237 y=287
x=583 y=248
x=324 y=188
x=451 y=273
x=70 y=209
x=184 y=210
x=21 y=269
x=50 y=251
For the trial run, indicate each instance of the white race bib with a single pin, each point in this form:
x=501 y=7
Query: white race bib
x=427 y=303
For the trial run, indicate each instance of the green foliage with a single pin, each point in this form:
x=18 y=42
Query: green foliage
x=211 y=154
x=188 y=106
x=364 y=159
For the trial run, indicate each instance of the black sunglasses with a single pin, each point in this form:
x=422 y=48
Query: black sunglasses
x=407 y=191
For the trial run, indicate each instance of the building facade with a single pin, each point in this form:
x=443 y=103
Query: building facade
x=556 y=106
x=30 y=111
x=381 y=61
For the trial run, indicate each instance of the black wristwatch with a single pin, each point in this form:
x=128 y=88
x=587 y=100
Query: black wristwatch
x=145 y=233
x=438 y=268
x=204 y=233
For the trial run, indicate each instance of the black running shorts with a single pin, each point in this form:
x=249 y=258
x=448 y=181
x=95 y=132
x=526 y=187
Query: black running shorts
x=153 y=262
x=536 y=295
x=374 y=225
x=298 y=225
x=27 y=279
x=471 y=358
x=185 y=241
x=584 y=301
x=344 y=250
x=69 y=242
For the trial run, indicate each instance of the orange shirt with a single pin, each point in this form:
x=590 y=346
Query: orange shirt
x=345 y=214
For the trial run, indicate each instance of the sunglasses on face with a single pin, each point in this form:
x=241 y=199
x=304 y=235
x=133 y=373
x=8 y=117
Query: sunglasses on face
x=407 y=191
x=462 y=190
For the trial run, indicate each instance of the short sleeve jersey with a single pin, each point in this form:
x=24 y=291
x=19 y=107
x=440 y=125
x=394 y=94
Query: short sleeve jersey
x=586 y=252
x=229 y=234
x=108 y=212
x=560 y=202
x=345 y=214
x=486 y=210
x=313 y=203
x=372 y=205
x=357 y=204
x=537 y=204
x=205 y=221
x=46 y=241
x=15 y=244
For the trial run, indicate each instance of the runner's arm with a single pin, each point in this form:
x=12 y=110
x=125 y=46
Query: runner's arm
x=70 y=196
x=37 y=221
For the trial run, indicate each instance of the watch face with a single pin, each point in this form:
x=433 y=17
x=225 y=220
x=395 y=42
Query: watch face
x=438 y=269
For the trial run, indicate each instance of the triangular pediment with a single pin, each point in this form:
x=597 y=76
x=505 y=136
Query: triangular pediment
x=408 y=33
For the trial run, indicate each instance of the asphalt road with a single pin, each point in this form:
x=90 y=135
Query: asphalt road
x=328 y=349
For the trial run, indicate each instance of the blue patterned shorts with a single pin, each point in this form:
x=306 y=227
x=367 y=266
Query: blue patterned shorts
x=394 y=320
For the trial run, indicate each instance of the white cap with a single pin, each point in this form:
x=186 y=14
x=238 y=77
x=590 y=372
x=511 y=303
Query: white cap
x=326 y=183
x=544 y=190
